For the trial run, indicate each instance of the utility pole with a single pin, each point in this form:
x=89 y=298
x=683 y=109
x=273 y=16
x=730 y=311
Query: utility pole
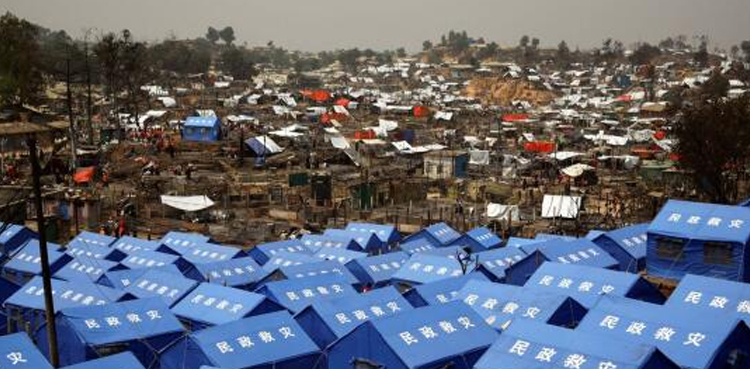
x=73 y=145
x=89 y=103
x=49 y=304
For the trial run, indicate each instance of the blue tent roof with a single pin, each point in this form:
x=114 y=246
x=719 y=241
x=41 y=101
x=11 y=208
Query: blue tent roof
x=149 y=259
x=418 y=244
x=484 y=237
x=366 y=241
x=202 y=122
x=547 y=237
x=531 y=345
x=496 y=261
x=19 y=352
x=440 y=292
x=342 y=256
x=588 y=284
x=315 y=242
x=579 y=251
x=120 y=279
x=442 y=233
x=627 y=245
x=129 y=244
x=706 y=296
x=265 y=251
x=386 y=233
x=446 y=251
x=377 y=270
x=94 y=245
x=67 y=294
x=203 y=252
x=26 y=259
x=14 y=236
x=690 y=342
x=237 y=272
x=702 y=221
x=518 y=242
x=421 y=269
x=287 y=258
x=123 y=360
x=156 y=283
x=212 y=304
x=430 y=336
x=265 y=341
x=594 y=233
x=315 y=269
x=85 y=269
x=326 y=321
x=183 y=239
x=296 y=294
x=94 y=239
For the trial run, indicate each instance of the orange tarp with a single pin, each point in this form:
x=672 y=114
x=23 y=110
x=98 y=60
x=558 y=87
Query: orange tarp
x=84 y=175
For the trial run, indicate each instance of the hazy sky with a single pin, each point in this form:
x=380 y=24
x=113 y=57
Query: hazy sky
x=379 y=24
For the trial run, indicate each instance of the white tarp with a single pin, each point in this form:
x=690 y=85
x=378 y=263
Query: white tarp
x=402 y=146
x=499 y=211
x=339 y=142
x=441 y=115
x=576 y=170
x=564 y=155
x=187 y=203
x=388 y=125
x=479 y=157
x=556 y=206
x=168 y=102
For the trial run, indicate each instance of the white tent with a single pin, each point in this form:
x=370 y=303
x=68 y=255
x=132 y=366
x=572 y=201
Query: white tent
x=187 y=203
x=556 y=206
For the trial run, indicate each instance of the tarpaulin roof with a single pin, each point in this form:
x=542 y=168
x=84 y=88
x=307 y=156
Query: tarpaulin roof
x=386 y=233
x=378 y=269
x=270 y=340
x=17 y=351
x=237 y=272
x=91 y=238
x=120 y=279
x=440 y=292
x=187 y=203
x=627 y=245
x=688 y=341
x=447 y=251
x=265 y=251
x=580 y=251
x=85 y=269
x=84 y=175
x=706 y=296
x=442 y=233
x=548 y=236
x=315 y=242
x=367 y=241
x=557 y=206
x=155 y=283
x=500 y=304
x=214 y=305
x=183 y=239
x=417 y=245
x=315 y=269
x=14 y=236
x=519 y=242
x=66 y=294
x=341 y=256
x=149 y=259
x=422 y=268
x=287 y=258
x=202 y=122
x=263 y=145
x=588 y=284
x=484 y=237
x=203 y=252
x=326 y=321
x=496 y=261
x=296 y=294
x=27 y=260
x=692 y=220
x=123 y=360
x=431 y=336
x=531 y=345
x=130 y=244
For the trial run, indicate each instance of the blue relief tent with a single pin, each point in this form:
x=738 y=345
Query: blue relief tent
x=440 y=292
x=593 y=234
x=327 y=321
x=531 y=345
x=588 y=284
x=123 y=360
x=519 y=242
x=128 y=244
x=449 y=335
x=296 y=294
x=495 y=262
x=243 y=273
x=93 y=239
x=325 y=267
x=366 y=241
x=210 y=304
x=687 y=339
x=388 y=234
x=579 y=252
x=702 y=239
x=447 y=251
x=266 y=251
x=709 y=297
x=282 y=258
x=13 y=237
x=376 y=271
x=341 y=256
x=422 y=268
x=548 y=237
x=440 y=234
x=202 y=129
x=501 y=304
x=418 y=245
x=86 y=269
x=269 y=341
x=479 y=239
x=154 y=259
x=94 y=245
x=167 y=286
x=627 y=245
x=121 y=279
x=25 y=262
x=7 y=289
x=144 y=327
x=17 y=351
x=203 y=252
x=316 y=242
x=183 y=239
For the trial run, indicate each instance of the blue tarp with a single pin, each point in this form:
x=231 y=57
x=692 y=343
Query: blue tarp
x=265 y=251
x=13 y=237
x=341 y=256
x=418 y=244
x=94 y=239
x=519 y=242
x=627 y=245
x=202 y=129
x=129 y=244
x=211 y=304
x=144 y=326
x=86 y=269
x=326 y=267
x=579 y=252
x=183 y=239
x=428 y=337
x=242 y=273
x=532 y=345
x=440 y=292
x=708 y=297
x=94 y=245
x=124 y=360
x=167 y=286
x=495 y=262
x=367 y=241
x=501 y=304
x=25 y=262
x=421 y=269
x=441 y=233
x=205 y=252
x=479 y=239
x=327 y=321
x=297 y=294
x=121 y=279
x=388 y=234
x=67 y=294
x=272 y=340
x=683 y=230
x=287 y=258
x=447 y=251
x=315 y=242
x=153 y=259
x=588 y=284
x=686 y=339
x=376 y=271
x=17 y=351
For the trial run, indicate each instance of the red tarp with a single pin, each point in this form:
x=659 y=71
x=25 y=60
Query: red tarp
x=539 y=146
x=624 y=98
x=343 y=102
x=660 y=135
x=421 y=111
x=510 y=118
x=84 y=175
x=320 y=96
x=365 y=135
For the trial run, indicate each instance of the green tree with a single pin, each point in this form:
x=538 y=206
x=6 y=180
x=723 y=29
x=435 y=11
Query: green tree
x=212 y=35
x=227 y=35
x=745 y=46
x=563 y=52
x=524 y=42
x=644 y=54
x=426 y=45
x=715 y=87
x=21 y=77
x=236 y=62
x=401 y=52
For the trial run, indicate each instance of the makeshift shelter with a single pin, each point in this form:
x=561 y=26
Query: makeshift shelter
x=267 y=341
x=588 y=284
x=123 y=360
x=19 y=352
x=25 y=263
x=287 y=259
x=627 y=245
x=167 y=286
x=529 y=344
x=441 y=336
x=210 y=304
x=121 y=279
x=13 y=237
x=265 y=251
x=297 y=294
x=689 y=341
x=367 y=241
x=307 y=270
x=417 y=245
x=84 y=175
x=128 y=244
x=341 y=256
x=243 y=273
x=440 y=292
x=376 y=271
x=329 y=320
x=202 y=253
x=421 y=269
x=316 y=242
x=501 y=304
x=187 y=203
x=708 y=297
x=440 y=234
x=580 y=252
x=387 y=234
x=478 y=239
x=563 y=207
x=495 y=262
x=202 y=129
x=85 y=269
x=263 y=146
x=703 y=239
x=144 y=327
